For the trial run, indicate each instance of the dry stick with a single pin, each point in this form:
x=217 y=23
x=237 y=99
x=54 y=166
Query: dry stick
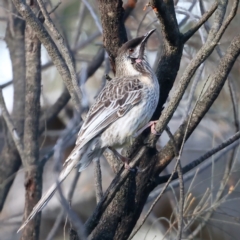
x=81 y=16
x=202 y=20
x=230 y=57
x=184 y=20
x=80 y=46
x=55 y=8
x=230 y=80
x=66 y=206
x=2 y=86
x=50 y=46
x=219 y=195
x=9 y=156
x=10 y=12
x=63 y=48
x=17 y=140
x=205 y=156
x=60 y=216
x=181 y=183
x=33 y=176
x=98 y=180
x=75 y=221
x=94 y=15
x=180 y=173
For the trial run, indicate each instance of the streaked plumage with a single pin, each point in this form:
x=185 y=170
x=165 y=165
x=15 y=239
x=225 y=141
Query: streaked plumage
x=125 y=105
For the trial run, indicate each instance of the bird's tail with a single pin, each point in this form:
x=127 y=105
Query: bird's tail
x=48 y=195
x=86 y=153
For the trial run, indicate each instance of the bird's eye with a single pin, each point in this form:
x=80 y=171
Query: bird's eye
x=130 y=50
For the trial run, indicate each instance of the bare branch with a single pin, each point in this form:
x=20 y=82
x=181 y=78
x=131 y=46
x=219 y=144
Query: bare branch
x=186 y=17
x=98 y=181
x=169 y=61
x=110 y=193
x=2 y=86
x=48 y=43
x=202 y=54
x=114 y=33
x=217 y=81
x=15 y=136
x=33 y=173
x=10 y=160
x=202 y=158
x=63 y=48
x=94 y=15
x=203 y=19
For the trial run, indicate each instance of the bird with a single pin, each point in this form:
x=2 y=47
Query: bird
x=121 y=111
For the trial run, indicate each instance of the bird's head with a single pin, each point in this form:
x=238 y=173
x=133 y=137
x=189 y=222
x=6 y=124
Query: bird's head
x=131 y=58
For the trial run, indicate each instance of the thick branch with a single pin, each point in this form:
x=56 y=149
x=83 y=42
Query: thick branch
x=33 y=173
x=114 y=33
x=9 y=158
x=170 y=58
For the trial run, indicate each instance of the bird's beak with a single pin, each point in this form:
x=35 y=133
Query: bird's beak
x=138 y=54
x=143 y=44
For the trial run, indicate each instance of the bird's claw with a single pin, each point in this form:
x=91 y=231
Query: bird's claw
x=151 y=124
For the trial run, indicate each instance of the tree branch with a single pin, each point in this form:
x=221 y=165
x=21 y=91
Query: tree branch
x=203 y=19
x=212 y=41
x=9 y=158
x=33 y=172
x=62 y=47
x=50 y=46
x=114 y=33
x=217 y=80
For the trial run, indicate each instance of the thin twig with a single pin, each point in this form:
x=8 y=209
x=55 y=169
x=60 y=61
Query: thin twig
x=60 y=216
x=2 y=86
x=63 y=48
x=203 y=19
x=15 y=136
x=10 y=12
x=81 y=17
x=186 y=17
x=50 y=46
x=94 y=15
x=181 y=184
x=55 y=8
x=192 y=165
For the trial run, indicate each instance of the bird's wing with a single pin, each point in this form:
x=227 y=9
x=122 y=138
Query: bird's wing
x=114 y=101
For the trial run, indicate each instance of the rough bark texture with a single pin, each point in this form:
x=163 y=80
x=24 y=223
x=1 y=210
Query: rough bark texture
x=169 y=61
x=123 y=212
x=33 y=176
x=114 y=33
x=9 y=159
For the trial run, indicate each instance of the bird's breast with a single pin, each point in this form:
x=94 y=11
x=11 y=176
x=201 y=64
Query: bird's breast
x=121 y=132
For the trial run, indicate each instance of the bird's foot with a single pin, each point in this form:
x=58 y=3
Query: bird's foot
x=151 y=124
x=125 y=160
